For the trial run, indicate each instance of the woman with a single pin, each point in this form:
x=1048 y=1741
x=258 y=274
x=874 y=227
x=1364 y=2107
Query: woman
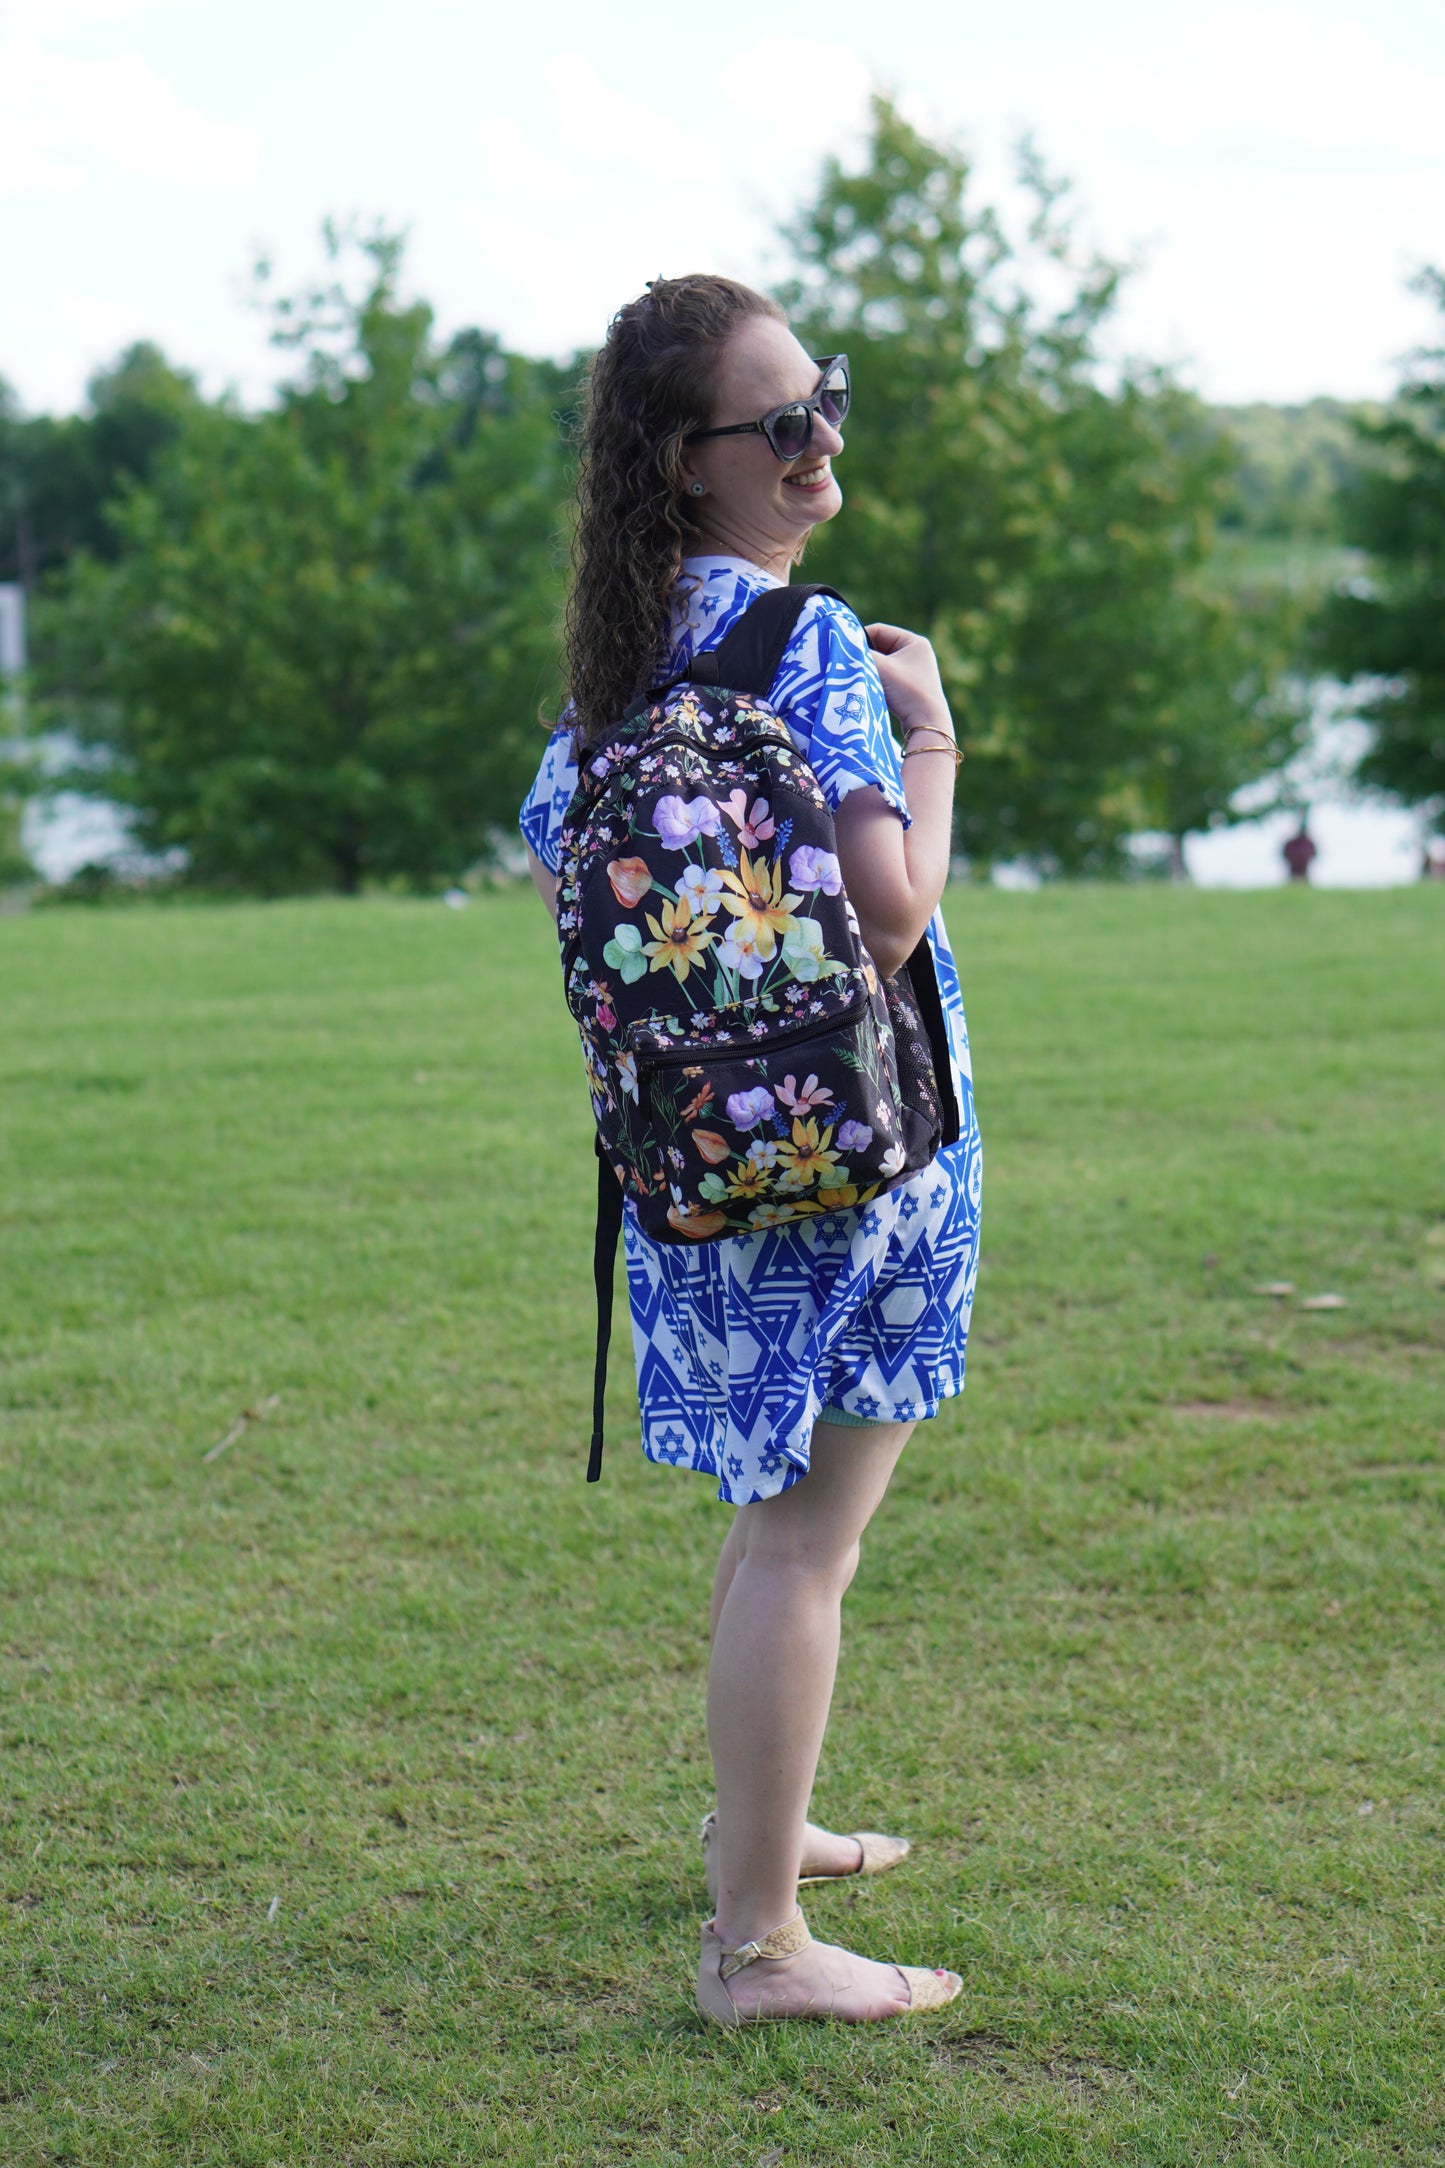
x=791 y=1364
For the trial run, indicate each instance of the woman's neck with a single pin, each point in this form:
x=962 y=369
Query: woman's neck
x=775 y=558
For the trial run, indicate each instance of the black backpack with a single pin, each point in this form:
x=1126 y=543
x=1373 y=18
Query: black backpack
x=748 y=1067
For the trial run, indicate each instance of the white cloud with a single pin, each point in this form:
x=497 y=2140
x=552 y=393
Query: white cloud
x=1277 y=76
x=28 y=162
x=810 y=93
x=51 y=17
x=105 y=325
x=605 y=122
x=514 y=168
x=62 y=116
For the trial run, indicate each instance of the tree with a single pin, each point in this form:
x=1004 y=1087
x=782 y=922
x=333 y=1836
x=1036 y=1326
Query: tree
x=1390 y=627
x=1049 y=531
x=318 y=656
x=58 y=474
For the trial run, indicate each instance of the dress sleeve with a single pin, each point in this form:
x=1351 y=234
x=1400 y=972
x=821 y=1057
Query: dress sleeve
x=828 y=689
x=545 y=803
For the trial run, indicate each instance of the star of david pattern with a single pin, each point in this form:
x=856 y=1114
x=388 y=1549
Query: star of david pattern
x=739 y=1343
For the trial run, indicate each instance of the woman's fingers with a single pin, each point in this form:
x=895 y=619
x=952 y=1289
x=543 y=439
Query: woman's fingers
x=908 y=669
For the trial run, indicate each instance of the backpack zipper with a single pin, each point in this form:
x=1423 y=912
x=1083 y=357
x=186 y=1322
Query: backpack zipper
x=669 y=1057
x=786 y=743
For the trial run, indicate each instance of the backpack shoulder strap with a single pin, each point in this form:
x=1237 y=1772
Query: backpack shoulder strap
x=746 y=659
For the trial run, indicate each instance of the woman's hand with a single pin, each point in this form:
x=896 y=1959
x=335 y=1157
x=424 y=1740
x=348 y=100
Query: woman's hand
x=908 y=668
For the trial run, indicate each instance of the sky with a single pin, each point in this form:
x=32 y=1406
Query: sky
x=1274 y=174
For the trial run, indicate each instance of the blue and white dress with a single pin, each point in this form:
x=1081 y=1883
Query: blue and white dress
x=739 y=1343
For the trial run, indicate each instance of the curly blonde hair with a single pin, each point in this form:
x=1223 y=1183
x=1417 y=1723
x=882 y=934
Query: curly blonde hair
x=648 y=386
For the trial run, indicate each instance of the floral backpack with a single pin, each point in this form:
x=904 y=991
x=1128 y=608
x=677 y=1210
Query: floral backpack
x=748 y=1066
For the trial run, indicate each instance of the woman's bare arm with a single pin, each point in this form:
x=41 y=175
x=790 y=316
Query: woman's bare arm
x=544 y=882
x=895 y=875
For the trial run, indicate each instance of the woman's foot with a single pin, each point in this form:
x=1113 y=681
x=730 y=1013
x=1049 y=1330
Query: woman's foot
x=826 y=1857
x=789 y=1975
x=823 y=1853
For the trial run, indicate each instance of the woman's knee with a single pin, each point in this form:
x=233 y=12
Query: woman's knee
x=803 y=1550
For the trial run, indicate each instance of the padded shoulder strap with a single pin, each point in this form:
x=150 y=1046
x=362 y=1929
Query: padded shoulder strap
x=746 y=660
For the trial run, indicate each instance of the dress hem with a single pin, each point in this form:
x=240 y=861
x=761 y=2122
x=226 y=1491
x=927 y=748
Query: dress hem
x=793 y=1457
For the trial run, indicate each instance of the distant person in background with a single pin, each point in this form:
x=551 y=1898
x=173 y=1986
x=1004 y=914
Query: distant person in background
x=1300 y=853
x=1433 y=866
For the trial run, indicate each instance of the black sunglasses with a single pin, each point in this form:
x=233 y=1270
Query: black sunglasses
x=789 y=429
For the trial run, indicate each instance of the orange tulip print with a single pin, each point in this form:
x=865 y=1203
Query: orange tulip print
x=630 y=880
x=699 y=1225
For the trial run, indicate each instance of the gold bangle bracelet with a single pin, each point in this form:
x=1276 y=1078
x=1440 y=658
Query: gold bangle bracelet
x=943 y=745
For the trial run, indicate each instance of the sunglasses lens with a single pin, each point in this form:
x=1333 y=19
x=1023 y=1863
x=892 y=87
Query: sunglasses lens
x=790 y=431
x=833 y=397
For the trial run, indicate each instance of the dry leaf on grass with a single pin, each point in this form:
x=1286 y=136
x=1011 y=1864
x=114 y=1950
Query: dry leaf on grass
x=1324 y=1302
x=1278 y=1288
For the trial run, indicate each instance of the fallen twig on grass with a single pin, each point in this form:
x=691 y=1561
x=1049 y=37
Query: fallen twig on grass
x=247 y=1416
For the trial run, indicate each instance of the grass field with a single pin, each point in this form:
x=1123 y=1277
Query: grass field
x=350 y=1778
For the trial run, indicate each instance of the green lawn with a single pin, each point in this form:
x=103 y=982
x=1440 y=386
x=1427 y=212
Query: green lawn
x=350 y=1779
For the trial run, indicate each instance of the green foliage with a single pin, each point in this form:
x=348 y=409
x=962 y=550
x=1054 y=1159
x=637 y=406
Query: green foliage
x=15 y=865
x=58 y=476
x=1290 y=466
x=17 y=783
x=318 y=657
x=1048 y=531
x=352 y=1776
x=1391 y=625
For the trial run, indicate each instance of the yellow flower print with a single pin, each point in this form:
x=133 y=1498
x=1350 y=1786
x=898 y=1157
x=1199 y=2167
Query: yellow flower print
x=748 y=1180
x=809 y=1159
x=677 y=943
x=780 y=1215
x=758 y=904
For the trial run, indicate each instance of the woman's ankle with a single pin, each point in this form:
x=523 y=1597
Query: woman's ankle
x=737 y=1929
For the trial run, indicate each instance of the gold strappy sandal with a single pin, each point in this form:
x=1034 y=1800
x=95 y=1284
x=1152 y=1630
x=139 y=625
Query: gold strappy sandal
x=879 y=1853
x=926 y=1990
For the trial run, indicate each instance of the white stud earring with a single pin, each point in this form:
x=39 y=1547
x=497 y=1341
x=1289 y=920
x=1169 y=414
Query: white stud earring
x=697 y=489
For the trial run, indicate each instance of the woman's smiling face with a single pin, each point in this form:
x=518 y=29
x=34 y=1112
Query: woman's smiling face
x=753 y=504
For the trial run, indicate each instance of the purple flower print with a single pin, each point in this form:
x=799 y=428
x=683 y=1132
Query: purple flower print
x=747 y=1109
x=702 y=885
x=812 y=868
x=678 y=823
x=854 y=1137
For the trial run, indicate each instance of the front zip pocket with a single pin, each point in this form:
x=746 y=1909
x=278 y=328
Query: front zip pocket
x=762 y=1118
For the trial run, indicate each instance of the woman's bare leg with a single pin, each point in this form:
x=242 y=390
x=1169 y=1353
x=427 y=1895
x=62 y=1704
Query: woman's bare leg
x=824 y=1852
x=775 y=1652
